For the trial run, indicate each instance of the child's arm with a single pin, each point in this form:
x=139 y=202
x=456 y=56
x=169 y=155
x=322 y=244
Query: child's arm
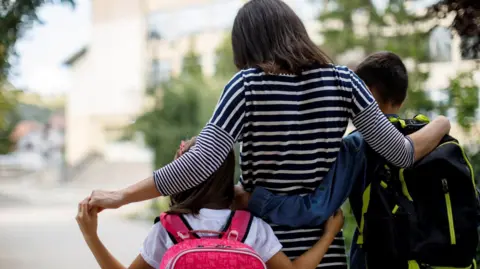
x=314 y=255
x=87 y=221
x=313 y=209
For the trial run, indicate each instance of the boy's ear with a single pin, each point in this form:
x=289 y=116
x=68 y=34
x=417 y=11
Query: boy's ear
x=374 y=92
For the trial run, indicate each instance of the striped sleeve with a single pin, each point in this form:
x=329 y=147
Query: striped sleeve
x=212 y=144
x=377 y=131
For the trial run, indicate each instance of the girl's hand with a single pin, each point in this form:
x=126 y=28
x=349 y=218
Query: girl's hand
x=334 y=224
x=87 y=220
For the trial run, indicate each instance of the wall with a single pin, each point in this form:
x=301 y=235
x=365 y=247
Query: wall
x=108 y=82
x=77 y=136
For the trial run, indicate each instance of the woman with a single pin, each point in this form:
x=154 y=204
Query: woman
x=289 y=107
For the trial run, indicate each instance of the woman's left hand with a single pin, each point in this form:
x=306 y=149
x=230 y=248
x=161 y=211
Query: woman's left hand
x=87 y=220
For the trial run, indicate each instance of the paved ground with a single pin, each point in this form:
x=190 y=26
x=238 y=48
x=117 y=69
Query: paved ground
x=38 y=229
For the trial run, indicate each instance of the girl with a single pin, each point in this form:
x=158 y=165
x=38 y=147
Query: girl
x=206 y=207
x=289 y=107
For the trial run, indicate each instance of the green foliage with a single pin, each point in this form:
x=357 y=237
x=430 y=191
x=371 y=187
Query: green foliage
x=224 y=67
x=463 y=97
x=17 y=17
x=177 y=117
x=407 y=44
x=350 y=225
x=9 y=117
x=418 y=101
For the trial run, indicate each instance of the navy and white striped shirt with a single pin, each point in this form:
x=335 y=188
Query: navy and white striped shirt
x=290 y=128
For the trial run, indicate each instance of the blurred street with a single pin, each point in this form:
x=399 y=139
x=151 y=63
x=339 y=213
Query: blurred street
x=38 y=228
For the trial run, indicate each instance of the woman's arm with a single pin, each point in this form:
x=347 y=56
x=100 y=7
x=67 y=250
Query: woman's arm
x=314 y=255
x=381 y=135
x=427 y=139
x=87 y=221
x=212 y=147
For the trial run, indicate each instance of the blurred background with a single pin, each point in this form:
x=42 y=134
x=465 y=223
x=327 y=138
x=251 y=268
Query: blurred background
x=98 y=93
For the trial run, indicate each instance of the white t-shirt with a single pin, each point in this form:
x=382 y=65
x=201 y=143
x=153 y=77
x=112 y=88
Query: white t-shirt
x=260 y=237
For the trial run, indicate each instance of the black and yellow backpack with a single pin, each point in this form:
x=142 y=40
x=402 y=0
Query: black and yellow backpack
x=424 y=216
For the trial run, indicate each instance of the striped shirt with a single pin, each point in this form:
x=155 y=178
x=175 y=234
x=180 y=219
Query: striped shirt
x=290 y=129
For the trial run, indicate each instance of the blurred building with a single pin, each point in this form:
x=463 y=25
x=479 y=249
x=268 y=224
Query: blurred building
x=38 y=147
x=133 y=45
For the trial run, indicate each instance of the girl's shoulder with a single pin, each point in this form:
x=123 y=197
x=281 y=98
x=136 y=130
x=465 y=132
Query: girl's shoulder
x=155 y=245
x=262 y=239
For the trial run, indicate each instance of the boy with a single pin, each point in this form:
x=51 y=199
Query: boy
x=386 y=76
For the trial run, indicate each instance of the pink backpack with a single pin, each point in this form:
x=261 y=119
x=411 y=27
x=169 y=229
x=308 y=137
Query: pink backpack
x=225 y=250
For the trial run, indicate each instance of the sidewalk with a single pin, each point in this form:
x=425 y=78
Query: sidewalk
x=50 y=239
x=38 y=228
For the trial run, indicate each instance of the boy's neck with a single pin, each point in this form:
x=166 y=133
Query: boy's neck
x=388 y=109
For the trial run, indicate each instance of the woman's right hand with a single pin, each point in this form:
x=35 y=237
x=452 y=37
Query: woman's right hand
x=106 y=199
x=334 y=224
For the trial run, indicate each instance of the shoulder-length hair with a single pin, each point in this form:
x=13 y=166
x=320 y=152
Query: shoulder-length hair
x=268 y=34
x=217 y=192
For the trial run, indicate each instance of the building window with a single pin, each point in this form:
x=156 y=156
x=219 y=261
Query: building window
x=440 y=45
x=160 y=71
x=194 y=18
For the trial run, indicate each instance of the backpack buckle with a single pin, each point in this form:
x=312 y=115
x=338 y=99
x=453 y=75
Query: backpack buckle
x=232 y=235
x=183 y=236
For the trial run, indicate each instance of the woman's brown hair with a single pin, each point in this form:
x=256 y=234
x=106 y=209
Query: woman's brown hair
x=268 y=34
x=216 y=192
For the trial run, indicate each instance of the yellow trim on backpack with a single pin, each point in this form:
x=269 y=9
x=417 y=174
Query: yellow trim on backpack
x=403 y=124
x=383 y=184
x=402 y=182
x=422 y=118
x=451 y=227
x=404 y=185
x=366 y=201
x=413 y=265
x=395 y=209
x=472 y=175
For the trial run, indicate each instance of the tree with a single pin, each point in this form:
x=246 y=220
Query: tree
x=177 y=117
x=9 y=117
x=465 y=23
x=224 y=67
x=463 y=99
x=363 y=26
x=17 y=17
x=184 y=104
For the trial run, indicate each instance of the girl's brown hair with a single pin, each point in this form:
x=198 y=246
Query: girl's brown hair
x=216 y=192
x=269 y=35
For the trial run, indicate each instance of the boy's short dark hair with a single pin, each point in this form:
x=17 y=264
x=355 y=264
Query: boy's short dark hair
x=385 y=72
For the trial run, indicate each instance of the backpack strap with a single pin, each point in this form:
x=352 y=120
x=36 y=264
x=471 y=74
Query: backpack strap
x=177 y=227
x=238 y=225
